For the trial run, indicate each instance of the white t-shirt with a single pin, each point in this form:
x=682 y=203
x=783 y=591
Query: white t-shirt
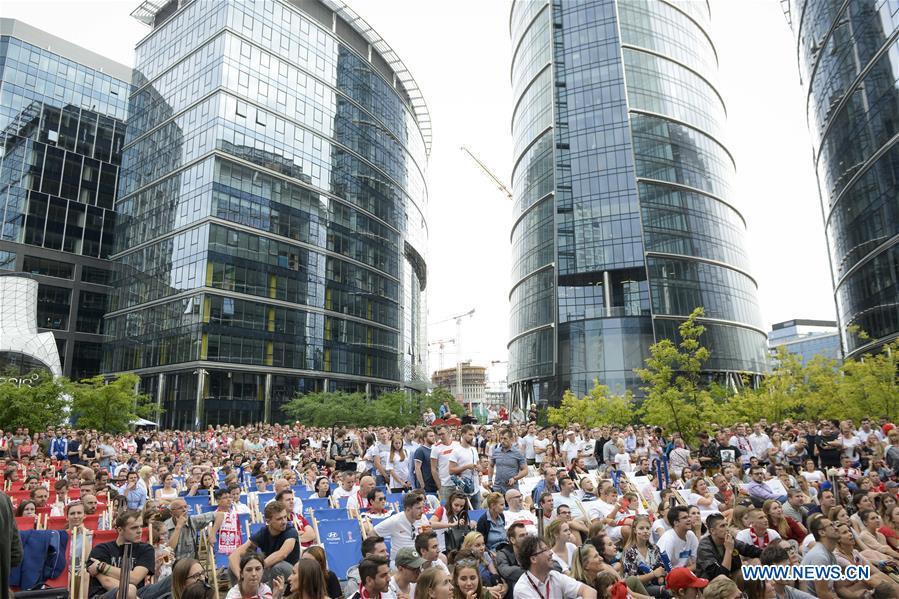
x=571 y=501
x=540 y=444
x=442 y=453
x=745 y=536
x=566 y=565
x=849 y=446
x=623 y=461
x=525 y=517
x=264 y=592
x=340 y=492
x=527 y=446
x=571 y=449
x=464 y=456
x=556 y=586
x=680 y=551
x=399 y=531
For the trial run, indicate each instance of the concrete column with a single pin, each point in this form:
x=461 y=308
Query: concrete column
x=160 y=392
x=267 y=408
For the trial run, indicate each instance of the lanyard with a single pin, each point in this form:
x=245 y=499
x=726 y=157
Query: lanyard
x=541 y=595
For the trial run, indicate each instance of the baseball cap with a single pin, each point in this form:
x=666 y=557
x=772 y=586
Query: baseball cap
x=683 y=578
x=409 y=558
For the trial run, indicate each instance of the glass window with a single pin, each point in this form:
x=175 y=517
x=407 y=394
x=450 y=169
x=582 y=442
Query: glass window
x=46 y=267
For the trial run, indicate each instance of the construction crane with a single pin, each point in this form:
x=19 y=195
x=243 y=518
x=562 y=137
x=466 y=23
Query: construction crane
x=499 y=183
x=458 y=318
x=441 y=343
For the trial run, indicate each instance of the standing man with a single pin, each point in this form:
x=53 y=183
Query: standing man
x=441 y=453
x=105 y=563
x=464 y=463
x=424 y=476
x=507 y=464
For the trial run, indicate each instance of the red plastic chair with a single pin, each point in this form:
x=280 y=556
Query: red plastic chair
x=57 y=522
x=104 y=536
x=74 y=494
x=24 y=522
x=44 y=511
x=92 y=522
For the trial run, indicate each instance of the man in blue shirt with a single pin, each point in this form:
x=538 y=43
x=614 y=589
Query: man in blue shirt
x=421 y=460
x=135 y=494
x=507 y=464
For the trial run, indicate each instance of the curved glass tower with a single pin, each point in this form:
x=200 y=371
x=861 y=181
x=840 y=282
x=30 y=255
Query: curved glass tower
x=272 y=207
x=848 y=56
x=625 y=220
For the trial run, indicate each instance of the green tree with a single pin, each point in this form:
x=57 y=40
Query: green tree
x=110 y=406
x=675 y=395
x=597 y=408
x=391 y=408
x=41 y=403
x=869 y=383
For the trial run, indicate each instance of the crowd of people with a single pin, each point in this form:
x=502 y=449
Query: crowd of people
x=508 y=510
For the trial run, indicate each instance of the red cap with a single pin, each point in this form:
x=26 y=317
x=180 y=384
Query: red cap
x=888 y=427
x=683 y=578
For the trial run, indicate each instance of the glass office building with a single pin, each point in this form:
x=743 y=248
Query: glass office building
x=272 y=206
x=625 y=219
x=848 y=55
x=62 y=126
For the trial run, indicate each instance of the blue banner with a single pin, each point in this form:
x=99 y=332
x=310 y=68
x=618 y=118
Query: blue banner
x=342 y=540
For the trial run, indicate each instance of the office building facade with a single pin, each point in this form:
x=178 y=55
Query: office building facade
x=272 y=205
x=848 y=54
x=806 y=338
x=62 y=126
x=624 y=217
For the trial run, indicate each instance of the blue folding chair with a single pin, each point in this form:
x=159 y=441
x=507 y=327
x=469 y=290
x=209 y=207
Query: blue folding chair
x=330 y=514
x=475 y=515
x=264 y=499
x=395 y=499
x=342 y=541
x=341 y=502
x=314 y=504
x=207 y=508
x=195 y=504
x=243 y=520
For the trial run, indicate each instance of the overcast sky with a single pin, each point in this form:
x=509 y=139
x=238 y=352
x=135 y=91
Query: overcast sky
x=459 y=52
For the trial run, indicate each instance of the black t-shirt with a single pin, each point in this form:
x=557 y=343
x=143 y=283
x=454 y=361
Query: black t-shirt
x=333 y=584
x=268 y=544
x=74 y=446
x=830 y=456
x=110 y=553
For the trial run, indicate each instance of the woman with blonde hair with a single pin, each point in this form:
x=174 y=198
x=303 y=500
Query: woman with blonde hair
x=642 y=559
x=492 y=524
x=474 y=546
x=317 y=553
x=558 y=537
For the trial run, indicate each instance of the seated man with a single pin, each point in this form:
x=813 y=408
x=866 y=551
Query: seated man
x=757 y=489
x=719 y=552
x=278 y=541
x=106 y=559
x=758 y=533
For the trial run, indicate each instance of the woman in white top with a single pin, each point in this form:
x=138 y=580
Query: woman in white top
x=168 y=492
x=397 y=467
x=250 y=585
x=812 y=475
x=558 y=537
